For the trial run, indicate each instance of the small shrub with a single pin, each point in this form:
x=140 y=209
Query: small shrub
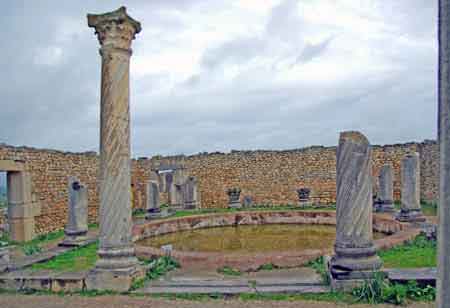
x=372 y=290
x=138 y=212
x=158 y=268
x=379 y=290
x=229 y=271
x=161 y=266
x=31 y=249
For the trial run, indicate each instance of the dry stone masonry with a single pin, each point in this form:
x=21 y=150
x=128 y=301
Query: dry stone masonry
x=116 y=265
x=355 y=255
x=77 y=222
x=269 y=177
x=410 y=210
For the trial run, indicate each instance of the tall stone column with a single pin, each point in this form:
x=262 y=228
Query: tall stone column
x=410 y=210
x=385 y=202
x=116 y=263
x=443 y=281
x=355 y=254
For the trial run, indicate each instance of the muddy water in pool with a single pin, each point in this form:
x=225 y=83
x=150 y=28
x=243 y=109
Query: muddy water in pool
x=262 y=238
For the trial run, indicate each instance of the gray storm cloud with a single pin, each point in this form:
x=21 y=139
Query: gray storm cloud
x=245 y=78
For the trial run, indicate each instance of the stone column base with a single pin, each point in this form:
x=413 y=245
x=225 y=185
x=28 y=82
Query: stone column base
x=410 y=216
x=235 y=205
x=344 y=280
x=155 y=215
x=113 y=279
x=190 y=205
x=384 y=207
x=305 y=203
x=74 y=239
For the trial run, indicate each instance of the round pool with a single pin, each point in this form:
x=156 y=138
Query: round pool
x=247 y=238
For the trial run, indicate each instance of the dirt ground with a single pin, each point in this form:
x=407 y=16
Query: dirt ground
x=44 y=301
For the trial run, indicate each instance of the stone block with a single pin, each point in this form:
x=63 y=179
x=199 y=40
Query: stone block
x=21 y=229
x=68 y=282
x=22 y=210
x=113 y=280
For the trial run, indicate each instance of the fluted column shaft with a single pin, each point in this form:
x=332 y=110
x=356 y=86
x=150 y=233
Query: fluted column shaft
x=115 y=32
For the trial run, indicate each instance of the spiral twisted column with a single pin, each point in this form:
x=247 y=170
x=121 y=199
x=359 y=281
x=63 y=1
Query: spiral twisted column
x=354 y=248
x=115 y=32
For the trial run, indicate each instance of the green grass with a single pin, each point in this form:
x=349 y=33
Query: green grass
x=420 y=252
x=429 y=209
x=229 y=271
x=79 y=259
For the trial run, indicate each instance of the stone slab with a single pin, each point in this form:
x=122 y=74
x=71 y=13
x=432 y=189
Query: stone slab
x=421 y=275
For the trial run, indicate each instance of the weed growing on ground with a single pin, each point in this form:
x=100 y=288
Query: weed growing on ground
x=229 y=271
x=157 y=268
x=379 y=290
x=320 y=267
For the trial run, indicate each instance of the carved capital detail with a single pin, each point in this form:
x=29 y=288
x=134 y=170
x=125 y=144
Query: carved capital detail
x=115 y=30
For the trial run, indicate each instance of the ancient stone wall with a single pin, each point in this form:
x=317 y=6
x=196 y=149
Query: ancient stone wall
x=49 y=172
x=270 y=177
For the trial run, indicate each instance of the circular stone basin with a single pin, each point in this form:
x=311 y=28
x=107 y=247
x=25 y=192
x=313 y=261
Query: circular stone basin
x=245 y=238
x=249 y=239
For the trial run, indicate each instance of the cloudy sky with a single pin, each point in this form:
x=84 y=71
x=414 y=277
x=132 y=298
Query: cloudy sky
x=218 y=75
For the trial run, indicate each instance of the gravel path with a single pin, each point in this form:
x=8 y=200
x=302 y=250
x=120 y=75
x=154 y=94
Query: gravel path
x=41 y=301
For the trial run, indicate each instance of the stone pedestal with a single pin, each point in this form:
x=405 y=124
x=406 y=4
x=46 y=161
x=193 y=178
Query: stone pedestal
x=410 y=210
x=443 y=279
x=152 y=205
x=234 y=198
x=247 y=201
x=116 y=262
x=190 y=194
x=355 y=256
x=176 y=191
x=385 y=200
x=77 y=222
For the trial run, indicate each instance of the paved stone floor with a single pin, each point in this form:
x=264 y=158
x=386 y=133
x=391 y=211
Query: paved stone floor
x=41 y=301
x=190 y=280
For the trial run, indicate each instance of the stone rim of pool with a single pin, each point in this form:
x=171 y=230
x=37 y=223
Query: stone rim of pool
x=251 y=261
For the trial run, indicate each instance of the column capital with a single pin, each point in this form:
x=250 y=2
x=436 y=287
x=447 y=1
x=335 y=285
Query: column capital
x=114 y=29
